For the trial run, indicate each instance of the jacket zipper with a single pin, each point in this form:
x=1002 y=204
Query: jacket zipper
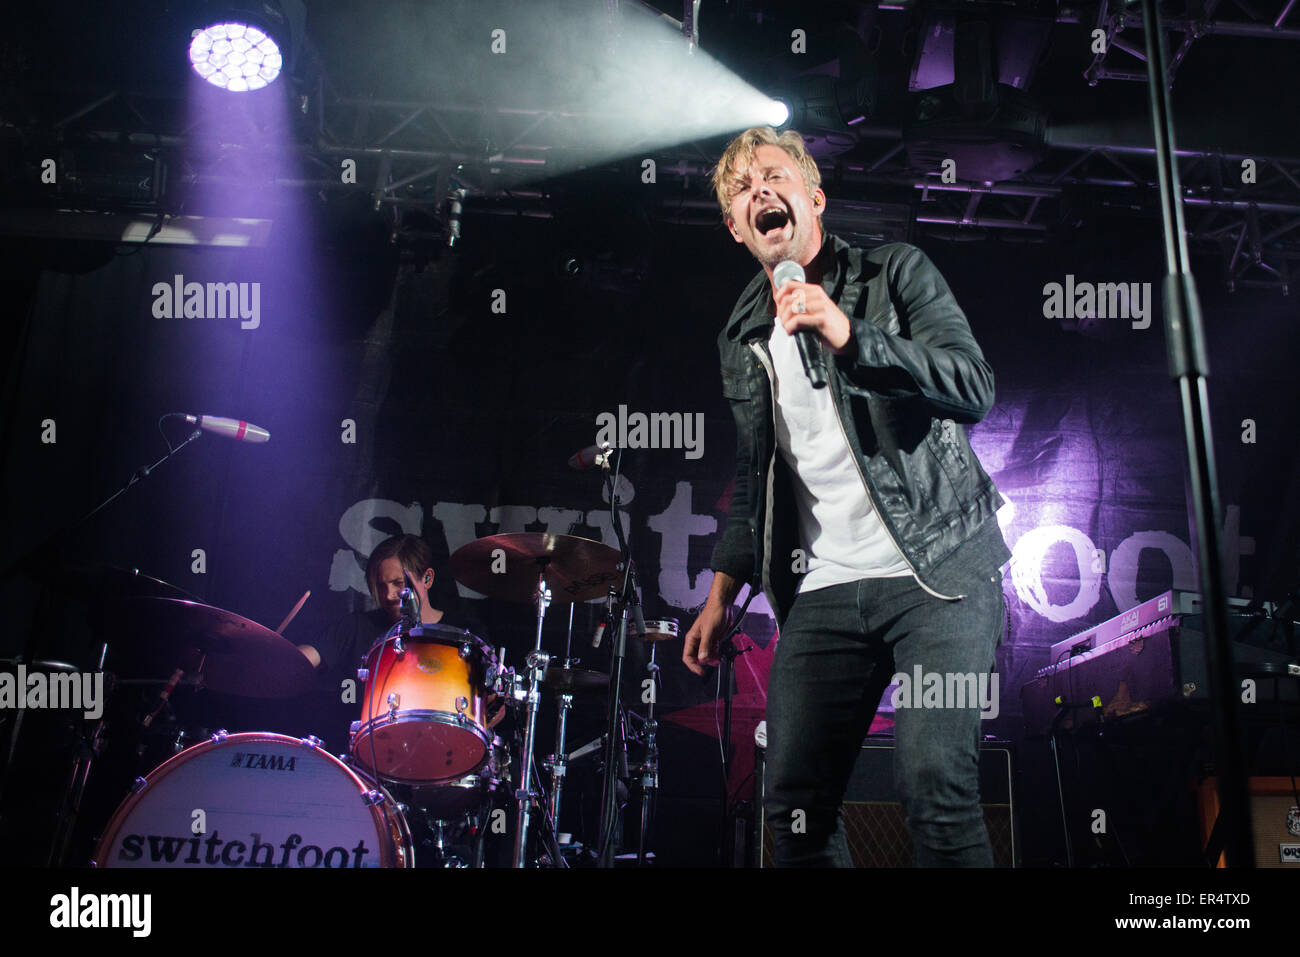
x=866 y=487
x=764 y=578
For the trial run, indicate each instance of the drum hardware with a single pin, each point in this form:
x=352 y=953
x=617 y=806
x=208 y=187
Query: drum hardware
x=556 y=763
x=650 y=765
x=537 y=661
x=540 y=568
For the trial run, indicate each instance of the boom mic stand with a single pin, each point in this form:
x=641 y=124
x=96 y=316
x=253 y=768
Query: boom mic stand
x=628 y=606
x=86 y=755
x=1189 y=367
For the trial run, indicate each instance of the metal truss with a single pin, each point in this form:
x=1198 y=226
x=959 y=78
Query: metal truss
x=408 y=157
x=1122 y=25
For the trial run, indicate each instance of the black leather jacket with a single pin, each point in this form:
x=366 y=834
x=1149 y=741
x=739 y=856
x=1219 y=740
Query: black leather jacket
x=913 y=377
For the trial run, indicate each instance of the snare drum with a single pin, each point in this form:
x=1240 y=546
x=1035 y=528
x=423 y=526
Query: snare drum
x=255 y=800
x=422 y=718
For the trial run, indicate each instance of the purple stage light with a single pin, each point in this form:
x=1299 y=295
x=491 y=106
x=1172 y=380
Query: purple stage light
x=235 y=57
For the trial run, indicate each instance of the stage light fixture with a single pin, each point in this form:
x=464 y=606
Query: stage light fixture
x=832 y=104
x=235 y=56
x=779 y=114
x=242 y=46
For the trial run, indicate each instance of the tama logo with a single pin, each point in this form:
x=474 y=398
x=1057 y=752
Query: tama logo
x=263 y=762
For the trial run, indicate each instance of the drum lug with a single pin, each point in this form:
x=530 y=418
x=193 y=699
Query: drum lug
x=461 y=704
x=219 y=735
x=363 y=674
x=394 y=702
x=138 y=785
x=398 y=647
x=354 y=727
x=372 y=797
x=464 y=651
x=311 y=741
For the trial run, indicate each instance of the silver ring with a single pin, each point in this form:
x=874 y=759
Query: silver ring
x=800 y=307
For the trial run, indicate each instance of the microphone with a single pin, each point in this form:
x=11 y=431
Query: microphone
x=236 y=429
x=410 y=601
x=600 y=629
x=593 y=456
x=455 y=206
x=810 y=350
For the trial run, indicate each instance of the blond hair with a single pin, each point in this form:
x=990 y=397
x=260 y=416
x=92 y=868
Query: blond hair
x=725 y=179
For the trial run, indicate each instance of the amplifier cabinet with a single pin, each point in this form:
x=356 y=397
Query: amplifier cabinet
x=874 y=819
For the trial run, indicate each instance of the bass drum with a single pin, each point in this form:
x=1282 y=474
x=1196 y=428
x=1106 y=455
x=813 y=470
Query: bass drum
x=255 y=800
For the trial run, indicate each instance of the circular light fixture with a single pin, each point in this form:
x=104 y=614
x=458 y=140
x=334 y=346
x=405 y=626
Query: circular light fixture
x=235 y=56
x=778 y=114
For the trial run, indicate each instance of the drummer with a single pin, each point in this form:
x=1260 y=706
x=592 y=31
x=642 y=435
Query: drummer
x=342 y=647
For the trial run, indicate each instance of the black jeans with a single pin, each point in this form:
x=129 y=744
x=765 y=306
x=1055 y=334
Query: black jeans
x=839 y=650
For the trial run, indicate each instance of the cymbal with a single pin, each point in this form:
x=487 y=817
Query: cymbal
x=232 y=654
x=113 y=583
x=506 y=566
x=575 y=679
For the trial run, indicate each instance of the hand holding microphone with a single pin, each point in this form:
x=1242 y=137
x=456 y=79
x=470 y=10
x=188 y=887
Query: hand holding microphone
x=806 y=312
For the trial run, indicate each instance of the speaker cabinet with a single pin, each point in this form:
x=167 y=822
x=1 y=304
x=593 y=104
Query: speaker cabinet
x=874 y=820
x=1271 y=803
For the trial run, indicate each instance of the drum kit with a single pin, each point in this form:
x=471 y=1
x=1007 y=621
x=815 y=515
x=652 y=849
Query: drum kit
x=422 y=749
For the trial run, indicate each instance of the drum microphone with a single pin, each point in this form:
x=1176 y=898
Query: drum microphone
x=810 y=350
x=599 y=636
x=410 y=601
x=236 y=429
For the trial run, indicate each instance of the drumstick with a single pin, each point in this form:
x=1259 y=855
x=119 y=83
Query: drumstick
x=296 y=608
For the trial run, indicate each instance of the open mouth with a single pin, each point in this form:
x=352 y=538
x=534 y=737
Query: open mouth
x=771 y=218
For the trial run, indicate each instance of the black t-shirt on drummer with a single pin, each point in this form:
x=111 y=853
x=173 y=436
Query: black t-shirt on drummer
x=346 y=643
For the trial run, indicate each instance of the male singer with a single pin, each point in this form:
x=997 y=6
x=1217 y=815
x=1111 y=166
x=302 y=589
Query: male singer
x=859 y=508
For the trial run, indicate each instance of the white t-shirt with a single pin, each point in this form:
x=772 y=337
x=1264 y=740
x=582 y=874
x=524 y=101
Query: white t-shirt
x=839 y=530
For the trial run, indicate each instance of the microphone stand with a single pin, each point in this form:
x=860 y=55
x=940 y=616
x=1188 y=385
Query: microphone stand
x=35 y=634
x=727 y=668
x=1189 y=367
x=628 y=605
